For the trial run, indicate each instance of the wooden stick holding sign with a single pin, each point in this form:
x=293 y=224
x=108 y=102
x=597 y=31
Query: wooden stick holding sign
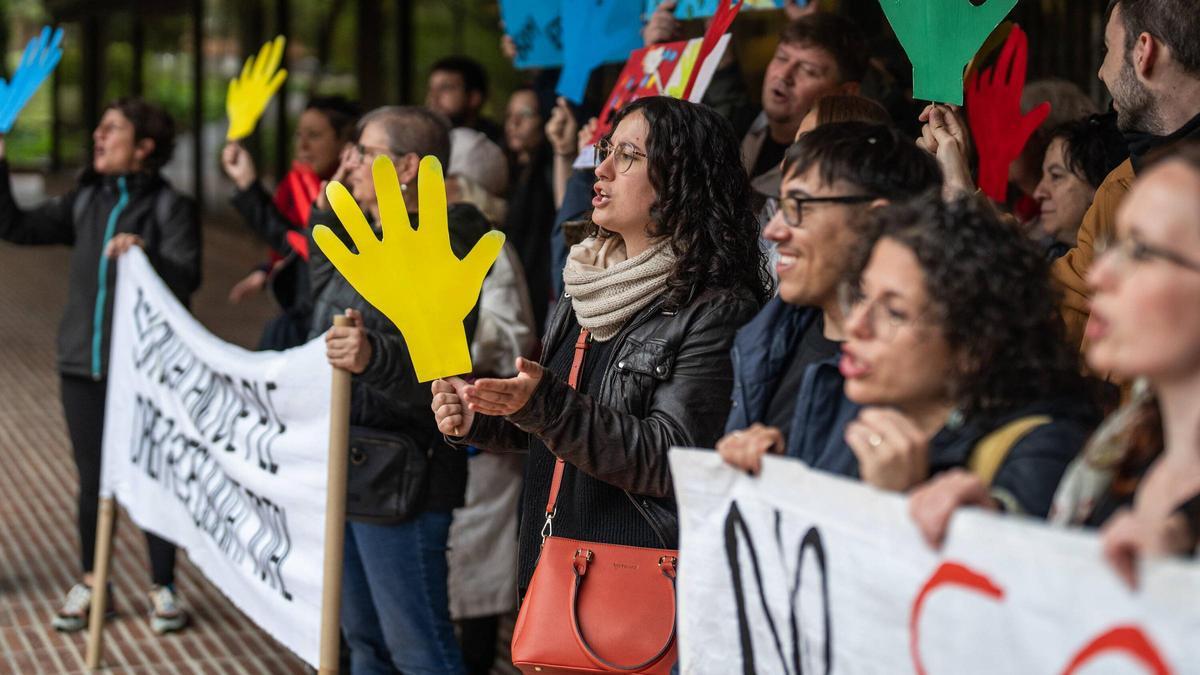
x=335 y=514
x=104 y=536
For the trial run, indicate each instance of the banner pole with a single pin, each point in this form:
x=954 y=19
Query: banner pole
x=104 y=531
x=335 y=515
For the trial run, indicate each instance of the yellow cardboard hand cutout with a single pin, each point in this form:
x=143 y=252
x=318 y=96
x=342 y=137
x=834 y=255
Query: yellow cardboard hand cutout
x=250 y=92
x=412 y=276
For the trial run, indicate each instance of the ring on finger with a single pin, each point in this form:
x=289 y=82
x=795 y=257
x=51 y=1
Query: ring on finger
x=875 y=440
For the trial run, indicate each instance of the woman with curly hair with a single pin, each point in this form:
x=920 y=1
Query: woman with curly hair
x=954 y=358
x=656 y=293
x=1139 y=475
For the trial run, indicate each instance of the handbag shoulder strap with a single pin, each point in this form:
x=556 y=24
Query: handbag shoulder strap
x=581 y=346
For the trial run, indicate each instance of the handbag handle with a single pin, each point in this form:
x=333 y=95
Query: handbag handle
x=583 y=556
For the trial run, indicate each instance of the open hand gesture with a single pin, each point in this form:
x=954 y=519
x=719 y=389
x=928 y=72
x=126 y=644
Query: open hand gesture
x=940 y=38
x=250 y=92
x=41 y=56
x=412 y=276
x=994 y=111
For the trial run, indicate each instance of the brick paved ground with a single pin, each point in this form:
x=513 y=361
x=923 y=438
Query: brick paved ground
x=37 y=485
x=38 y=555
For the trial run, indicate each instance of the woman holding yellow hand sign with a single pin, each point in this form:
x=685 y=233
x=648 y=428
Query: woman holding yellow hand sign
x=653 y=299
x=401 y=491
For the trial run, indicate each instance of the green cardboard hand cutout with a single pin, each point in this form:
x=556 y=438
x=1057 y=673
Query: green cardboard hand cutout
x=940 y=38
x=412 y=276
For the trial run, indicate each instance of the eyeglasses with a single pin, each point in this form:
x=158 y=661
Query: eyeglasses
x=793 y=207
x=884 y=322
x=1131 y=250
x=624 y=155
x=368 y=153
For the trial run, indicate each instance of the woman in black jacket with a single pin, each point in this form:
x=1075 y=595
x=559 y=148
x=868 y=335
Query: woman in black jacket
x=122 y=200
x=402 y=487
x=672 y=270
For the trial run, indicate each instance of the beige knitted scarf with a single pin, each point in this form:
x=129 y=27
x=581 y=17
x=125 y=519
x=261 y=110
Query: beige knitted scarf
x=607 y=287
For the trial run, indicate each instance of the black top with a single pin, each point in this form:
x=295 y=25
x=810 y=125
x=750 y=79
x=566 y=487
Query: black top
x=813 y=347
x=587 y=508
x=528 y=224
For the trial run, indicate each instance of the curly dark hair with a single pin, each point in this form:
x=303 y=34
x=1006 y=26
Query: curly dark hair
x=703 y=200
x=990 y=290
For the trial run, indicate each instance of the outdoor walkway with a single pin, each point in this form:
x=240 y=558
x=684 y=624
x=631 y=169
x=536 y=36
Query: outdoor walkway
x=38 y=556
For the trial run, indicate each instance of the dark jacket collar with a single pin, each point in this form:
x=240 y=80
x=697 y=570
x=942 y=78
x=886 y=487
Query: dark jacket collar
x=1142 y=144
x=762 y=350
x=817 y=436
x=823 y=411
x=952 y=445
x=135 y=183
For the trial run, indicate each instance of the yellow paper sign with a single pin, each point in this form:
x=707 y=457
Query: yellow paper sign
x=412 y=276
x=250 y=92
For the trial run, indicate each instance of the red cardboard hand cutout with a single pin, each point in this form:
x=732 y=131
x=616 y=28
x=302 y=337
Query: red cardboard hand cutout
x=994 y=112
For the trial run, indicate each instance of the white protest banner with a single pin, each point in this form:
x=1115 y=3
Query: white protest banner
x=799 y=571
x=222 y=451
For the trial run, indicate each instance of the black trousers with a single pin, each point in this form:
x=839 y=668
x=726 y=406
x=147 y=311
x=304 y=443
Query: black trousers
x=83 y=405
x=477 y=637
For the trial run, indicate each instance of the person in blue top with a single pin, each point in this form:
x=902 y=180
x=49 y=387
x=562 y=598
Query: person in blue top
x=122 y=200
x=833 y=176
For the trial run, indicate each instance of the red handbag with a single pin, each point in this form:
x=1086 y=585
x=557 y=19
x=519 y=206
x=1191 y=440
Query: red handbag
x=592 y=607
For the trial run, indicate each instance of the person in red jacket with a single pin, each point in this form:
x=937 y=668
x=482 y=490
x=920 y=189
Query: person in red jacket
x=322 y=135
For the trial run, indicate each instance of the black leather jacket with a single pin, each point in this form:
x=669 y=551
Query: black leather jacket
x=667 y=383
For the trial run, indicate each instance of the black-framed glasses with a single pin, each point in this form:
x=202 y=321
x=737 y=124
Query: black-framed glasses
x=1131 y=249
x=793 y=207
x=624 y=156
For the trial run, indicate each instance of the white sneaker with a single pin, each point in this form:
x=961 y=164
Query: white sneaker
x=167 y=616
x=73 y=615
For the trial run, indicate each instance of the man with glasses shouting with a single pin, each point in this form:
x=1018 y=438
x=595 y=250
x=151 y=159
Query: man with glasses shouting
x=832 y=177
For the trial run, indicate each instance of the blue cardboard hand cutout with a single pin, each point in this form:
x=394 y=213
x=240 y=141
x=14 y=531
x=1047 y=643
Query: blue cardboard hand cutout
x=41 y=56
x=535 y=27
x=699 y=9
x=596 y=32
x=940 y=38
